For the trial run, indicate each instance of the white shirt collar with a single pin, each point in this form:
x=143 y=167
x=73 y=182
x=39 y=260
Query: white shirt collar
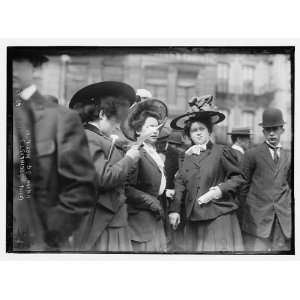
x=95 y=124
x=278 y=146
x=28 y=92
x=238 y=148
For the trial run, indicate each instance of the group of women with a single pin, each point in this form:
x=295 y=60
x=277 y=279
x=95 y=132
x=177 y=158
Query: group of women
x=129 y=214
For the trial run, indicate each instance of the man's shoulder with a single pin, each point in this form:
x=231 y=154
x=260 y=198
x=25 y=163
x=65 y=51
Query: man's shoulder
x=254 y=152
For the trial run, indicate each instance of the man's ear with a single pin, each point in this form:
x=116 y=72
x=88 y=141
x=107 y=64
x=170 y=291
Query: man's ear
x=101 y=114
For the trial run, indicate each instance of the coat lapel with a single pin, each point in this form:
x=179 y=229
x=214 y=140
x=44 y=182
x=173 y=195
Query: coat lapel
x=92 y=128
x=150 y=159
x=281 y=162
x=267 y=155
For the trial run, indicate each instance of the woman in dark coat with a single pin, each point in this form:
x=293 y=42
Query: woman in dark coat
x=207 y=182
x=101 y=107
x=147 y=183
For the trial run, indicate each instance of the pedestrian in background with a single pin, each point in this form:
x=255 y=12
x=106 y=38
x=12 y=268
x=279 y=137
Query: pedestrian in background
x=241 y=138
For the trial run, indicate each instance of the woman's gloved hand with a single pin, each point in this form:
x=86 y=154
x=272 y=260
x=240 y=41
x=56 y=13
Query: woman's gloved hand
x=174 y=219
x=213 y=194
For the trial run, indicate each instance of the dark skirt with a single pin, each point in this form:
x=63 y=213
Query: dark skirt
x=220 y=234
x=114 y=239
x=157 y=244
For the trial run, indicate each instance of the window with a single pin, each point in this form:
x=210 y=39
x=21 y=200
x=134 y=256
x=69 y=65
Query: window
x=185 y=87
x=248 y=119
x=156 y=81
x=221 y=129
x=114 y=73
x=223 y=77
x=248 y=79
x=76 y=78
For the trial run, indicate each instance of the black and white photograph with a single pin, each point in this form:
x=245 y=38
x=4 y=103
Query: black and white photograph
x=150 y=150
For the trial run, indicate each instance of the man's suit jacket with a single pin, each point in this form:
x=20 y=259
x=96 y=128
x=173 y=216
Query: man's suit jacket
x=144 y=207
x=239 y=155
x=267 y=192
x=112 y=173
x=65 y=176
x=215 y=166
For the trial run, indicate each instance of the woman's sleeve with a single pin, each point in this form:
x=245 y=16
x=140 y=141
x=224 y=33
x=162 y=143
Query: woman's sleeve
x=109 y=175
x=138 y=198
x=234 y=175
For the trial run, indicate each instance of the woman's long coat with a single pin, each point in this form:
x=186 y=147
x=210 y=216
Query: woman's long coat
x=111 y=208
x=143 y=199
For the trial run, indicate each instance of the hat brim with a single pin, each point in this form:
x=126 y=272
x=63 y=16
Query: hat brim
x=150 y=104
x=271 y=125
x=179 y=122
x=94 y=92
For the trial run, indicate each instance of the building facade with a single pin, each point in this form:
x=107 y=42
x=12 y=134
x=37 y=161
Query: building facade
x=244 y=85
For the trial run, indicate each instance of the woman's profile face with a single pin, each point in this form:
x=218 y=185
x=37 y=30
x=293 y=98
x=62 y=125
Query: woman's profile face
x=199 y=133
x=107 y=125
x=150 y=124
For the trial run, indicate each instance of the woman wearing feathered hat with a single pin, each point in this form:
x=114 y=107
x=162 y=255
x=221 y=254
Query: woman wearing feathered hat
x=206 y=183
x=102 y=106
x=146 y=185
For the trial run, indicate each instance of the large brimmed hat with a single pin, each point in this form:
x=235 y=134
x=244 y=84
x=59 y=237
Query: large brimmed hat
x=272 y=117
x=213 y=116
x=35 y=57
x=93 y=93
x=242 y=131
x=151 y=105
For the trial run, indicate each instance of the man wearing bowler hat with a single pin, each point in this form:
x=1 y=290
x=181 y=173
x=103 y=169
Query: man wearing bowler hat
x=266 y=196
x=240 y=141
x=60 y=189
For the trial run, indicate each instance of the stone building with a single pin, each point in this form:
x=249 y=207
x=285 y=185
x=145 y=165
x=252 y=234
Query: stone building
x=244 y=85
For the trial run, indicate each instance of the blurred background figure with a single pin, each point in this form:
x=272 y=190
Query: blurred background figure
x=241 y=139
x=59 y=188
x=143 y=94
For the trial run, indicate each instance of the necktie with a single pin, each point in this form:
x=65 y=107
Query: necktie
x=275 y=156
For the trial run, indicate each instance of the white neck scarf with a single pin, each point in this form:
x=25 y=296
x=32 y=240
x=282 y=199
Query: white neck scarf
x=196 y=149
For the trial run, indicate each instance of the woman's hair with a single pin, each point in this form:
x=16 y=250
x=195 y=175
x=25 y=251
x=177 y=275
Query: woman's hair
x=138 y=122
x=188 y=124
x=111 y=106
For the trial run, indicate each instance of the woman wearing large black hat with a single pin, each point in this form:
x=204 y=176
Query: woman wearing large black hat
x=102 y=106
x=206 y=184
x=147 y=184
